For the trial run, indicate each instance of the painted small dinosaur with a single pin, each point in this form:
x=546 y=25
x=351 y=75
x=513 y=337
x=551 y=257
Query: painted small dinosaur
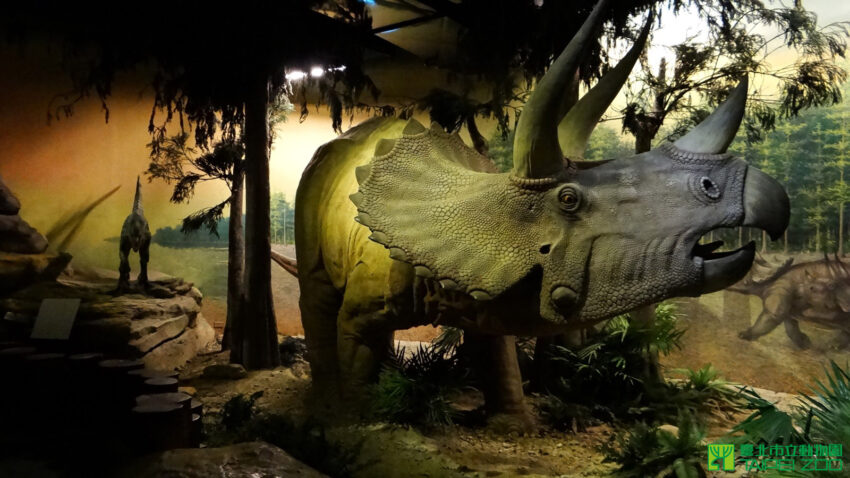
x=817 y=292
x=135 y=235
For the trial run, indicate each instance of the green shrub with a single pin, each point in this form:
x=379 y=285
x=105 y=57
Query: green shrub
x=822 y=417
x=647 y=451
x=608 y=372
x=417 y=390
x=564 y=416
x=704 y=392
x=238 y=410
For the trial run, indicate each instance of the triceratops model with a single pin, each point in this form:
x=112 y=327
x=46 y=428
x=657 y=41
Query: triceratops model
x=817 y=292
x=135 y=235
x=398 y=225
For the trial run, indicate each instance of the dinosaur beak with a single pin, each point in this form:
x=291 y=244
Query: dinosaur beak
x=766 y=204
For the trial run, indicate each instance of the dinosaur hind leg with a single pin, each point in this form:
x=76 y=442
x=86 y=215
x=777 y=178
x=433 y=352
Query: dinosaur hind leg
x=320 y=302
x=124 y=267
x=144 y=257
x=495 y=359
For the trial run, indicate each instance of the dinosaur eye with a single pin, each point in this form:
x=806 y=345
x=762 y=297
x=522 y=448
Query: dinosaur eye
x=570 y=199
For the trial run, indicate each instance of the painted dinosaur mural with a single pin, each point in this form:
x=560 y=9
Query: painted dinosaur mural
x=135 y=235
x=399 y=225
x=817 y=292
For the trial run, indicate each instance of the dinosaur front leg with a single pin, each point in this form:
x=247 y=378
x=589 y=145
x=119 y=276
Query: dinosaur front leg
x=765 y=323
x=124 y=266
x=792 y=329
x=144 y=256
x=777 y=306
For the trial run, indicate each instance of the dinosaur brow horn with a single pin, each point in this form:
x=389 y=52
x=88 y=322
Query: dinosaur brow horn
x=580 y=121
x=537 y=153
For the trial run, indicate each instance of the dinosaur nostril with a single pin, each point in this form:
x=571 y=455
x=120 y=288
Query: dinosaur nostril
x=709 y=187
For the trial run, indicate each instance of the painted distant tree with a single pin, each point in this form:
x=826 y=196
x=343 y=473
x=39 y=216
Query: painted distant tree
x=817 y=197
x=606 y=143
x=176 y=162
x=789 y=146
x=283 y=223
x=839 y=158
x=736 y=48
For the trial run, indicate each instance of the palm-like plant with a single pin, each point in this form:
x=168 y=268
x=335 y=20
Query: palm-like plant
x=646 y=451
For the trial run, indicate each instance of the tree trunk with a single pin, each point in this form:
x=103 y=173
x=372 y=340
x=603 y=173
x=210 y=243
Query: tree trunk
x=785 y=248
x=478 y=141
x=258 y=327
x=643 y=141
x=235 y=261
x=841 y=229
x=817 y=237
x=763 y=241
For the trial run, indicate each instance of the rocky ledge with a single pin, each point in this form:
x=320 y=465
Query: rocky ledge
x=161 y=324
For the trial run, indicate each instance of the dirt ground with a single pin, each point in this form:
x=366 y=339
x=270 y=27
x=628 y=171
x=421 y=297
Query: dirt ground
x=712 y=324
x=396 y=451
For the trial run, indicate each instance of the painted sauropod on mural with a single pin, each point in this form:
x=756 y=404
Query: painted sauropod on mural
x=817 y=292
x=399 y=225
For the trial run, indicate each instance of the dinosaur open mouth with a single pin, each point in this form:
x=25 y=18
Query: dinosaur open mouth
x=721 y=269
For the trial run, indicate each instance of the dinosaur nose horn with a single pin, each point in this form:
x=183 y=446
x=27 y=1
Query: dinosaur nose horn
x=766 y=204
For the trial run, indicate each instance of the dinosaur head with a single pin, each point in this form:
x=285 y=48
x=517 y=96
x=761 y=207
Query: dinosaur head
x=595 y=239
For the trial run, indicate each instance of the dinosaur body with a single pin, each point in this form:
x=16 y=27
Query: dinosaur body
x=135 y=236
x=817 y=292
x=399 y=225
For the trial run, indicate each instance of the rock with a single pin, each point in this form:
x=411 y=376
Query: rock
x=670 y=428
x=9 y=204
x=149 y=333
x=21 y=270
x=193 y=341
x=292 y=350
x=19 y=237
x=241 y=460
x=225 y=371
x=164 y=331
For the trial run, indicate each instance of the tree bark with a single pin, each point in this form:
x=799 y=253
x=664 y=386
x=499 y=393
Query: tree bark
x=841 y=229
x=259 y=347
x=478 y=141
x=235 y=260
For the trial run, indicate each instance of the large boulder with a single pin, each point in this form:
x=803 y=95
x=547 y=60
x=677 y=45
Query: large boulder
x=162 y=325
x=15 y=234
x=9 y=204
x=20 y=270
x=252 y=459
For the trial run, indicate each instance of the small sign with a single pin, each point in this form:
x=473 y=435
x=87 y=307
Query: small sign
x=55 y=319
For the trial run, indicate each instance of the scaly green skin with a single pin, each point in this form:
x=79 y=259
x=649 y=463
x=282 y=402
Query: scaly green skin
x=488 y=252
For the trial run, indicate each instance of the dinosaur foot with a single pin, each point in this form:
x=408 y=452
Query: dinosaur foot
x=802 y=342
x=518 y=423
x=746 y=335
